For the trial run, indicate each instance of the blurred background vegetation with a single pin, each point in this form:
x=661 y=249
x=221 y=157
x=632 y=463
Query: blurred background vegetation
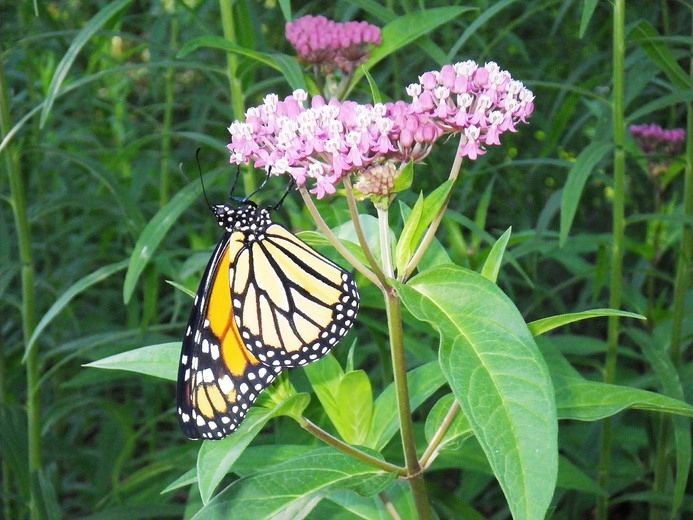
x=98 y=154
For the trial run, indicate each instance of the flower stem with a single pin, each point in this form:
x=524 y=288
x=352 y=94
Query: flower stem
x=353 y=210
x=342 y=446
x=18 y=203
x=432 y=450
x=385 y=249
x=341 y=248
x=618 y=225
x=433 y=228
x=235 y=86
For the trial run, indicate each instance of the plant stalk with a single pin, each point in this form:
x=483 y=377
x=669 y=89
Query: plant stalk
x=432 y=450
x=228 y=24
x=165 y=174
x=618 y=224
x=19 y=210
x=393 y=308
x=336 y=243
x=342 y=446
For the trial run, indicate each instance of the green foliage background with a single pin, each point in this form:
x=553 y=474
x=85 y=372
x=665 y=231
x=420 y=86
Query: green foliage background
x=99 y=121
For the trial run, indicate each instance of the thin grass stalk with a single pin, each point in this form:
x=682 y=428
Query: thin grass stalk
x=617 y=238
x=431 y=451
x=165 y=174
x=393 y=308
x=18 y=202
x=228 y=23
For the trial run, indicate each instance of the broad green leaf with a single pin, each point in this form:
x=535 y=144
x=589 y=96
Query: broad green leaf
x=584 y=400
x=287 y=65
x=282 y=486
x=648 y=38
x=66 y=297
x=186 y=479
x=458 y=429
x=423 y=381
x=493 y=261
x=216 y=458
x=325 y=377
x=83 y=36
x=577 y=177
x=403 y=31
x=498 y=376
x=153 y=360
x=155 y=231
x=544 y=325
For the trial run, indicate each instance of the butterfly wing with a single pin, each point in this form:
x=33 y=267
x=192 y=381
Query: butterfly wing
x=291 y=304
x=218 y=378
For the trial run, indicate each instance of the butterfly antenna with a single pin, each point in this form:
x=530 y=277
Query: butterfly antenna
x=261 y=185
x=292 y=184
x=235 y=181
x=199 y=171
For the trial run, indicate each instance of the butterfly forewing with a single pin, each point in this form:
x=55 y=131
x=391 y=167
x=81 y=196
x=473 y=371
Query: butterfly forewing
x=291 y=304
x=218 y=378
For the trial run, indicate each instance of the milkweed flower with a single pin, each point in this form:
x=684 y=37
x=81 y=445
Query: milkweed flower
x=481 y=103
x=652 y=139
x=329 y=44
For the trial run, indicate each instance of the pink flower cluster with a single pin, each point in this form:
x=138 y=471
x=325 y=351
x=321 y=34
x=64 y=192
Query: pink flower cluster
x=324 y=142
x=655 y=140
x=324 y=42
x=481 y=102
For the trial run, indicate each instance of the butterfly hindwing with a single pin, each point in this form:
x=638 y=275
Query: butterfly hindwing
x=218 y=378
x=291 y=304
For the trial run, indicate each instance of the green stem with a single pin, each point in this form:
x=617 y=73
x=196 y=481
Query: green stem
x=18 y=202
x=353 y=210
x=406 y=426
x=235 y=86
x=342 y=446
x=432 y=450
x=165 y=175
x=615 y=288
x=393 y=308
x=336 y=243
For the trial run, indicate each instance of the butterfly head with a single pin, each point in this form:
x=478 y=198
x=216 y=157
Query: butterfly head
x=248 y=217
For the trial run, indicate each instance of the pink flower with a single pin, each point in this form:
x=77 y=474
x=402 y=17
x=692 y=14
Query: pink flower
x=655 y=140
x=480 y=102
x=329 y=44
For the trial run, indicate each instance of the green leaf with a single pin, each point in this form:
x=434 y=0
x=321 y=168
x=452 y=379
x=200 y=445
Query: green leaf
x=287 y=65
x=649 y=39
x=577 y=177
x=185 y=480
x=355 y=397
x=584 y=400
x=459 y=428
x=588 y=7
x=492 y=10
x=423 y=381
x=544 y=325
x=481 y=213
x=498 y=376
x=376 y=96
x=404 y=30
x=494 y=260
x=406 y=242
x=405 y=178
x=216 y=458
x=83 y=36
x=155 y=231
x=153 y=360
x=292 y=482
x=325 y=377
x=66 y=297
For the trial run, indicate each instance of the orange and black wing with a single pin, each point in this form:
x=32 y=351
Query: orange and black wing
x=291 y=304
x=218 y=378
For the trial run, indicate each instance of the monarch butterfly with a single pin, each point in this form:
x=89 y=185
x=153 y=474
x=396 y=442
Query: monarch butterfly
x=267 y=301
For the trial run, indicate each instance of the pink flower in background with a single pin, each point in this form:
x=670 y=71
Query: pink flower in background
x=655 y=140
x=323 y=42
x=480 y=102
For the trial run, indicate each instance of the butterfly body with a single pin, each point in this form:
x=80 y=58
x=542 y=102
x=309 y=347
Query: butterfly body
x=266 y=302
